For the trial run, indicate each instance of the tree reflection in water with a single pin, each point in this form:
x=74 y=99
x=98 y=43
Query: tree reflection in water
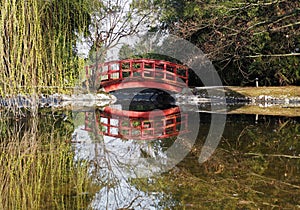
x=256 y=165
x=119 y=144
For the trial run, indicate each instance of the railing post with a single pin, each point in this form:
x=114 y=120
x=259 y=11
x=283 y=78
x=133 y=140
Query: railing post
x=143 y=69
x=175 y=72
x=153 y=68
x=165 y=71
x=108 y=71
x=120 y=70
x=130 y=67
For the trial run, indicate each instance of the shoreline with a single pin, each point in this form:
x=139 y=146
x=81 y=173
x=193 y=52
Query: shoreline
x=279 y=101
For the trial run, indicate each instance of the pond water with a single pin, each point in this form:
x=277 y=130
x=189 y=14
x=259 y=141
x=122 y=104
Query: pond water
x=143 y=153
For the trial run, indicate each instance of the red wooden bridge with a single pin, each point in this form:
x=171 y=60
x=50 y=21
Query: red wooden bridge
x=137 y=125
x=135 y=73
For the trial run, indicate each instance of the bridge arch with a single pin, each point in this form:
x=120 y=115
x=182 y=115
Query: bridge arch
x=134 y=73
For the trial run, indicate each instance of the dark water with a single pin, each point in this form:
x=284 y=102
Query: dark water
x=256 y=165
x=114 y=159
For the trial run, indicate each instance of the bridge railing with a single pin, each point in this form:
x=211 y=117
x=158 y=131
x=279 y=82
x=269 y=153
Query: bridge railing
x=157 y=70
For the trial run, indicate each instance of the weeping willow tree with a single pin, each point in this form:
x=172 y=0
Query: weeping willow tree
x=38 y=44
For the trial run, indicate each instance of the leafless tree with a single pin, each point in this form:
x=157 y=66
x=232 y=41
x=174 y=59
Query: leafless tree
x=112 y=21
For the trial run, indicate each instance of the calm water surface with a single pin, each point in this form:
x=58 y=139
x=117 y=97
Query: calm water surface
x=95 y=159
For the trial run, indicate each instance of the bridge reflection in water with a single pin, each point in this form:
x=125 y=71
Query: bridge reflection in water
x=145 y=119
x=138 y=125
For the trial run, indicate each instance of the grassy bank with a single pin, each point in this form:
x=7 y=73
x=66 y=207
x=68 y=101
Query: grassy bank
x=286 y=92
x=273 y=110
x=277 y=92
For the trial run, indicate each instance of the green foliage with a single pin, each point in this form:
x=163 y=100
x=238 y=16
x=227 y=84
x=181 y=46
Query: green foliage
x=38 y=40
x=243 y=39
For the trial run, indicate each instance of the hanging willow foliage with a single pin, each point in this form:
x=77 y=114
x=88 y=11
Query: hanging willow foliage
x=38 y=44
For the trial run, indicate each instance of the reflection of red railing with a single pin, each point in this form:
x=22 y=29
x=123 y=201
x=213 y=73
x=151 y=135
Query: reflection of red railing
x=139 y=73
x=138 y=125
